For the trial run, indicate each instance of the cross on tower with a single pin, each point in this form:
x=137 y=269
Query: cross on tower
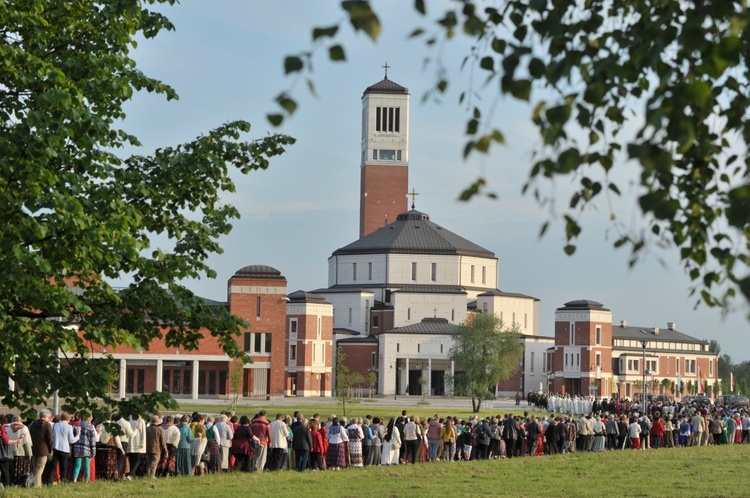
x=386 y=69
x=413 y=194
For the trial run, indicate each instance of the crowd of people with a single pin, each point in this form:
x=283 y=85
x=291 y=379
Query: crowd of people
x=66 y=448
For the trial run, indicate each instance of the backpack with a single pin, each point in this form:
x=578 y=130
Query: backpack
x=353 y=434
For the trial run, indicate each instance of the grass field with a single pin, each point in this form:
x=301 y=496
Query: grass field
x=358 y=409
x=706 y=471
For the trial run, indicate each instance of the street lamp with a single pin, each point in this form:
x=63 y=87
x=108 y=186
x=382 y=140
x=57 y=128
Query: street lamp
x=644 y=342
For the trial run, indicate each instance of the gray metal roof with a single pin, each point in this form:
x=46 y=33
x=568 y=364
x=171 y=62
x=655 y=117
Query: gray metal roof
x=498 y=292
x=428 y=289
x=385 y=86
x=583 y=304
x=344 y=289
x=370 y=339
x=211 y=302
x=427 y=326
x=305 y=297
x=414 y=233
x=258 y=271
x=665 y=334
x=342 y=331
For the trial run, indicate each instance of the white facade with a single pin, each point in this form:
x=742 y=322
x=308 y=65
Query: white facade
x=351 y=310
x=393 y=132
x=513 y=310
x=404 y=353
x=411 y=307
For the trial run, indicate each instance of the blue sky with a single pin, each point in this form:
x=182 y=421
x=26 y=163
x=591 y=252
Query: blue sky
x=225 y=61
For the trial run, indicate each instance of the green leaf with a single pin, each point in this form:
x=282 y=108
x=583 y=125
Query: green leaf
x=292 y=64
x=336 y=53
x=419 y=6
x=487 y=63
x=521 y=89
x=329 y=32
x=275 y=119
x=472 y=190
x=362 y=17
x=569 y=249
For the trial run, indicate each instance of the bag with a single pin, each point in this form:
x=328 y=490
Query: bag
x=206 y=456
x=7 y=452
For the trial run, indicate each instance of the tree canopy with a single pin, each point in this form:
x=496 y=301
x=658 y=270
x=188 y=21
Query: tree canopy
x=610 y=83
x=486 y=352
x=78 y=212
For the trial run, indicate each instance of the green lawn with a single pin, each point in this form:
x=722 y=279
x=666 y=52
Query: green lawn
x=707 y=471
x=357 y=409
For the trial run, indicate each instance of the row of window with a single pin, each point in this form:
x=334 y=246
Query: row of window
x=257 y=343
x=318 y=353
x=531 y=362
x=634 y=365
x=597 y=339
x=293 y=326
x=679 y=346
x=388 y=119
x=386 y=154
x=433 y=274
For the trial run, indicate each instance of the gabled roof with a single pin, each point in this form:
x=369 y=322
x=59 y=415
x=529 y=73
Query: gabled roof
x=499 y=293
x=342 y=331
x=414 y=233
x=386 y=86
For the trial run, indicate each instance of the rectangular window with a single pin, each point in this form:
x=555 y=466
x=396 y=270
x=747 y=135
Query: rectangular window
x=258 y=343
x=211 y=382
x=599 y=360
x=186 y=383
x=130 y=381
x=472 y=274
x=544 y=362
x=419 y=348
x=292 y=352
x=248 y=342
x=566 y=359
x=711 y=367
x=354 y=271
x=408 y=313
x=484 y=308
x=531 y=362
x=598 y=335
x=433 y=272
x=525 y=320
x=636 y=365
x=398 y=155
x=414 y=271
x=369 y=271
x=678 y=366
x=293 y=326
x=453 y=315
x=572 y=334
x=202 y=382
x=165 y=381
x=484 y=275
x=222 y=382
x=374 y=153
x=319 y=328
x=387 y=155
x=578 y=360
x=257 y=304
x=398 y=347
x=350 y=315
x=390 y=119
x=176 y=382
x=268 y=343
x=398 y=119
x=377 y=119
x=373 y=360
x=375 y=321
x=630 y=364
x=323 y=352
x=514 y=319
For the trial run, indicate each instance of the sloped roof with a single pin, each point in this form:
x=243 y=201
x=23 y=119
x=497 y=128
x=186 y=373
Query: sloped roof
x=426 y=326
x=499 y=293
x=385 y=86
x=665 y=334
x=414 y=233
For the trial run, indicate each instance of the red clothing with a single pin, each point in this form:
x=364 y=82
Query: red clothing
x=262 y=430
x=318 y=445
x=657 y=428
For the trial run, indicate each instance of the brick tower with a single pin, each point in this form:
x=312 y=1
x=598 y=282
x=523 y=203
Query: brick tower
x=385 y=154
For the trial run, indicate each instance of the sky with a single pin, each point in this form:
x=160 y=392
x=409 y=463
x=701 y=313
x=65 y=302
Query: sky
x=225 y=59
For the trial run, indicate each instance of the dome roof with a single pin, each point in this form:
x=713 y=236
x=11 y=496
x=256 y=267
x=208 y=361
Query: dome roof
x=583 y=304
x=301 y=296
x=414 y=233
x=258 y=271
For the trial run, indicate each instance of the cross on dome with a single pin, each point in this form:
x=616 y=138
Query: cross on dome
x=386 y=69
x=413 y=194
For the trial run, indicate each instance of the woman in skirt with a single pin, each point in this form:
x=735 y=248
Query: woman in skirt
x=212 y=446
x=337 y=439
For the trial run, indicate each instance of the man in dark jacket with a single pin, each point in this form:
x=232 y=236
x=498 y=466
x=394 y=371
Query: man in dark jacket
x=510 y=434
x=302 y=444
x=40 y=431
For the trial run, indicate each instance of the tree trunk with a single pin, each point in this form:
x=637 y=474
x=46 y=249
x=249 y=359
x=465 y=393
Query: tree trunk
x=476 y=404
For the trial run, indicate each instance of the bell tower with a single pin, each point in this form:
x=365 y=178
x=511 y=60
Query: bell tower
x=384 y=164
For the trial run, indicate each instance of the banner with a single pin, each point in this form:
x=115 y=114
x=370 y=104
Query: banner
x=731 y=382
x=701 y=389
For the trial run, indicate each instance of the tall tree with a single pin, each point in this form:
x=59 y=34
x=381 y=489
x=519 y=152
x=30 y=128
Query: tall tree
x=77 y=212
x=487 y=352
x=612 y=83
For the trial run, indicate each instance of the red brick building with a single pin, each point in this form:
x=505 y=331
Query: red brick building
x=593 y=357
